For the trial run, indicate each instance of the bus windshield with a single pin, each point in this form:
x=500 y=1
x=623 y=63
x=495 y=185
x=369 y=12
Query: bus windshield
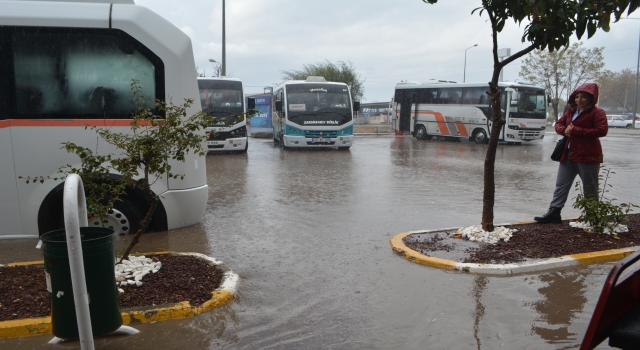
x=528 y=103
x=318 y=104
x=222 y=100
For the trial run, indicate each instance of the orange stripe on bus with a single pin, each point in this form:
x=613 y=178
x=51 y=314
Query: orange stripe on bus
x=442 y=124
x=461 y=128
x=65 y=122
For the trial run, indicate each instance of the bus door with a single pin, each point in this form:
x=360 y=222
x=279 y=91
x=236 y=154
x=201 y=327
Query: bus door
x=508 y=103
x=404 y=124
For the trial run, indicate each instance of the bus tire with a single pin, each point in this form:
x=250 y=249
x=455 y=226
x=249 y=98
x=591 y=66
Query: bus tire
x=346 y=148
x=480 y=137
x=421 y=133
x=246 y=147
x=124 y=218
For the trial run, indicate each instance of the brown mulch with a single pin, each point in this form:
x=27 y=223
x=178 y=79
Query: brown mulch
x=531 y=241
x=23 y=289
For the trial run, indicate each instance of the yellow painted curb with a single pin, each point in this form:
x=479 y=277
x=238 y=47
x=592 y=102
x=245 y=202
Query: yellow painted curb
x=399 y=247
x=42 y=325
x=27 y=263
x=603 y=255
x=25 y=327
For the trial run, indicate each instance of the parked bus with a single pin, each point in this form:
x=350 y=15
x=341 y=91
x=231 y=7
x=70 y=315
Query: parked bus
x=313 y=113
x=223 y=98
x=64 y=65
x=463 y=111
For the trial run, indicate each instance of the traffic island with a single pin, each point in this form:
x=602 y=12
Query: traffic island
x=534 y=247
x=225 y=293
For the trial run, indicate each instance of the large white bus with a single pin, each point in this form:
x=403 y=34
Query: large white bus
x=64 y=65
x=313 y=113
x=454 y=110
x=223 y=98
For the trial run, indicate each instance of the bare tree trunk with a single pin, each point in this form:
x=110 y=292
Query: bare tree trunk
x=147 y=219
x=488 y=198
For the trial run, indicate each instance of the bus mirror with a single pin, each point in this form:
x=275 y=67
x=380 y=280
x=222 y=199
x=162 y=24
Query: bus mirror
x=278 y=106
x=251 y=103
x=356 y=106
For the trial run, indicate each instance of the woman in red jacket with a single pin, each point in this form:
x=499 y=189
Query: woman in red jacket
x=583 y=123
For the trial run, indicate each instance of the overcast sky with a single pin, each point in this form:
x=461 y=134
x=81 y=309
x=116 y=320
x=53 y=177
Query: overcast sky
x=386 y=40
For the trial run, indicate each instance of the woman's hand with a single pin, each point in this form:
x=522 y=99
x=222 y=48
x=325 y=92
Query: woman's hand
x=567 y=131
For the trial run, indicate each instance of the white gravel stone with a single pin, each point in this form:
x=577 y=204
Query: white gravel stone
x=133 y=270
x=477 y=234
x=585 y=226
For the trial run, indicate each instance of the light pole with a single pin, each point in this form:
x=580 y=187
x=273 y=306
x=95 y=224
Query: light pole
x=214 y=66
x=223 y=69
x=464 y=74
x=635 y=99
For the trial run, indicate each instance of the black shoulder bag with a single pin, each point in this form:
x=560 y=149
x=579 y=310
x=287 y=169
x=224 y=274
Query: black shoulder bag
x=557 y=152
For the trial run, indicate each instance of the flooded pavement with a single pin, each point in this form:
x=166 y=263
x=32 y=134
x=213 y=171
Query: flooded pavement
x=308 y=234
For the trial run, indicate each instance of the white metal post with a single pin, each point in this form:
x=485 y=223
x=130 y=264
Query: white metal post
x=75 y=215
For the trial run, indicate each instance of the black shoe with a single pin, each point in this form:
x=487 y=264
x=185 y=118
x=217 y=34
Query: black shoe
x=552 y=216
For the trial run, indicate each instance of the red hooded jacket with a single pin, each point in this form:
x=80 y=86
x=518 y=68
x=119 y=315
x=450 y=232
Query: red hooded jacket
x=588 y=127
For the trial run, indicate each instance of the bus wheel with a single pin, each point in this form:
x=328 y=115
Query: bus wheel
x=246 y=147
x=480 y=137
x=421 y=133
x=123 y=219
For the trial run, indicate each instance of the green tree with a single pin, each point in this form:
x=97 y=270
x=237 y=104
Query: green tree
x=343 y=72
x=549 y=25
x=617 y=90
x=562 y=71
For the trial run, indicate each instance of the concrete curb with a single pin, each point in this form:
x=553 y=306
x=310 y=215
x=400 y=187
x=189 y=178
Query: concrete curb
x=399 y=247
x=224 y=294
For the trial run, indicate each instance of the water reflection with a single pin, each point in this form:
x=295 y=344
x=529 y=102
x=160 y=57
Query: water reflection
x=479 y=286
x=563 y=300
x=214 y=326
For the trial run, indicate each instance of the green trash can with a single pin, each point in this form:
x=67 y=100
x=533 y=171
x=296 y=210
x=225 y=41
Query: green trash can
x=99 y=259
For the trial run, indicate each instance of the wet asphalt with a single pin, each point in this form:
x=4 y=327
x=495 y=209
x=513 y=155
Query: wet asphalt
x=308 y=232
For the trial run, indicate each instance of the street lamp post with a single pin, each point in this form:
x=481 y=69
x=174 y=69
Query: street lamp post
x=464 y=74
x=635 y=99
x=223 y=69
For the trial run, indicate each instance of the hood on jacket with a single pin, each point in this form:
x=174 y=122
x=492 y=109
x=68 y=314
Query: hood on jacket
x=590 y=88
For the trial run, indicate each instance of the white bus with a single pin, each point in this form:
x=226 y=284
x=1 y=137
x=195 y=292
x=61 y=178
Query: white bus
x=449 y=109
x=64 y=65
x=313 y=113
x=223 y=98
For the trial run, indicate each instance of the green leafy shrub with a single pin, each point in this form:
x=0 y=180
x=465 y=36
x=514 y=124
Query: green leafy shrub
x=600 y=212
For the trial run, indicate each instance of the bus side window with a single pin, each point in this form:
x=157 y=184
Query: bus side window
x=81 y=73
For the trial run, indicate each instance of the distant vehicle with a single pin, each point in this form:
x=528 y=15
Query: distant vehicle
x=455 y=110
x=223 y=98
x=67 y=65
x=313 y=113
x=619 y=121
